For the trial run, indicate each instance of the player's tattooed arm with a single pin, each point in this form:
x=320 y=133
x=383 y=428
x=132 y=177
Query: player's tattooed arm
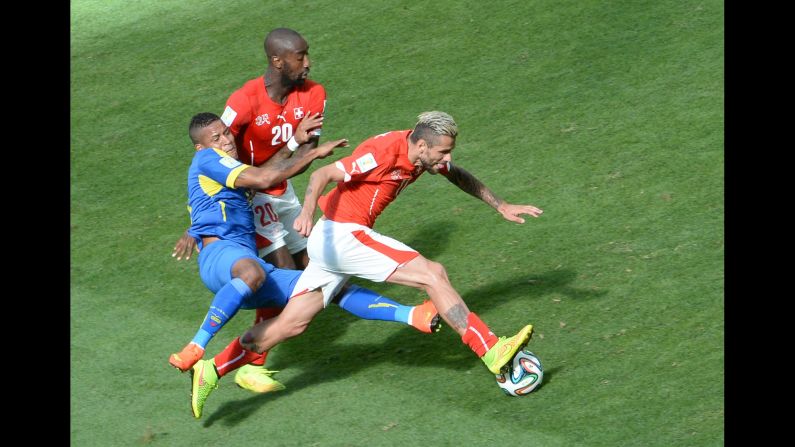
x=283 y=164
x=282 y=159
x=472 y=186
x=280 y=155
x=456 y=316
x=274 y=171
x=303 y=150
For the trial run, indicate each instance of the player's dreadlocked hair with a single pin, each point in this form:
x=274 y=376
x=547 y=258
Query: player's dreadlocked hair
x=200 y=121
x=433 y=124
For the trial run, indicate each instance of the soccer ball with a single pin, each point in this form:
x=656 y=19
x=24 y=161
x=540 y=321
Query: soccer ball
x=523 y=376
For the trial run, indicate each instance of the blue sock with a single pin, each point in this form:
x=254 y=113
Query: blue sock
x=366 y=304
x=224 y=306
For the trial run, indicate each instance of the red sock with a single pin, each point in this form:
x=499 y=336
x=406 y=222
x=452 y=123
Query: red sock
x=233 y=357
x=478 y=336
x=260 y=361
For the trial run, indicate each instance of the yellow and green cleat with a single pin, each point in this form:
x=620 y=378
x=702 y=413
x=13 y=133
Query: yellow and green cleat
x=506 y=347
x=257 y=379
x=204 y=379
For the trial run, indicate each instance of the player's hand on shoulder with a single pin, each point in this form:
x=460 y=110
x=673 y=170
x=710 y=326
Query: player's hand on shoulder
x=513 y=212
x=184 y=247
x=327 y=148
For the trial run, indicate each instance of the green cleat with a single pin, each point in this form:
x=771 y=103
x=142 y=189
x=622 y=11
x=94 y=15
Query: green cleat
x=504 y=350
x=257 y=379
x=204 y=379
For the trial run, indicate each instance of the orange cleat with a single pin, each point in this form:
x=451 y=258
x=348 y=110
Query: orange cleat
x=425 y=318
x=185 y=359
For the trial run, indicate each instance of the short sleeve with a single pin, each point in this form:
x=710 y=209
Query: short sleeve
x=317 y=103
x=365 y=163
x=237 y=113
x=317 y=99
x=220 y=167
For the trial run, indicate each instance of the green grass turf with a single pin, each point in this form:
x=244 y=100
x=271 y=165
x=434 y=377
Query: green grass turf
x=608 y=115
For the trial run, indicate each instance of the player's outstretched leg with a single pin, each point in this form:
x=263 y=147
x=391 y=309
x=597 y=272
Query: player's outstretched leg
x=369 y=305
x=432 y=277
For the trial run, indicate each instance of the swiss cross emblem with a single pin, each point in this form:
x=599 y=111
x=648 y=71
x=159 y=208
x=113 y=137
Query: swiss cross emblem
x=396 y=174
x=262 y=119
x=298 y=113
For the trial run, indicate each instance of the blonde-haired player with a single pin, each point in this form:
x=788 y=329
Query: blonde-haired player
x=343 y=243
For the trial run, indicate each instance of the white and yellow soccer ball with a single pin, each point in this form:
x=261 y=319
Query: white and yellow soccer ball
x=523 y=376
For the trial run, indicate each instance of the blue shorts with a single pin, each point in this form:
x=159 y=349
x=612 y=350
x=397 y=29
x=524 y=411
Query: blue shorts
x=215 y=268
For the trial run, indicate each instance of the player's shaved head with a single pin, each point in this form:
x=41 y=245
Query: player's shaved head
x=282 y=39
x=199 y=122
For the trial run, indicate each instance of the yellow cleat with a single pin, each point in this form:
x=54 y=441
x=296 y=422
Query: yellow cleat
x=504 y=350
x=257 y=379
x=204 y=379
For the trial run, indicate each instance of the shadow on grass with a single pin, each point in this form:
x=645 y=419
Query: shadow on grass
x=549 y=375
x=431 y=238
x=321 y=359
x=529 y=285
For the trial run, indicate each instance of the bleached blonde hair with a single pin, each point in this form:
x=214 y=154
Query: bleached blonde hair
x=433 y=124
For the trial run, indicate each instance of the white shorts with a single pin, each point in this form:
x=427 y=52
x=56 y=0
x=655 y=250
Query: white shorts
x=273 y=221
x=338 y=251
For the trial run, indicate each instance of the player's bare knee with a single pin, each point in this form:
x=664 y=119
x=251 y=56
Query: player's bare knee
x=250 y=272
x=436 y=273
x=254 y=278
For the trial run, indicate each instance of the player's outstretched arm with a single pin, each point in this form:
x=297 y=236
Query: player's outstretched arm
x=184 y=247
x=317 y=184
x=472 y=186
x=513 y=212
x=265 y=177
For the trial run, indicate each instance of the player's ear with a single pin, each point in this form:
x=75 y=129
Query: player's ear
x=197 y=146
x=276 y=61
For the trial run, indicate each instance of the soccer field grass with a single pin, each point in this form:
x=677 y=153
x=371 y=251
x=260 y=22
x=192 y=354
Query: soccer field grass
x=607 y=115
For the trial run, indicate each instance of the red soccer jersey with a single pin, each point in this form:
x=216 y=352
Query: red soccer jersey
x=375 y=173
x=261 y=126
